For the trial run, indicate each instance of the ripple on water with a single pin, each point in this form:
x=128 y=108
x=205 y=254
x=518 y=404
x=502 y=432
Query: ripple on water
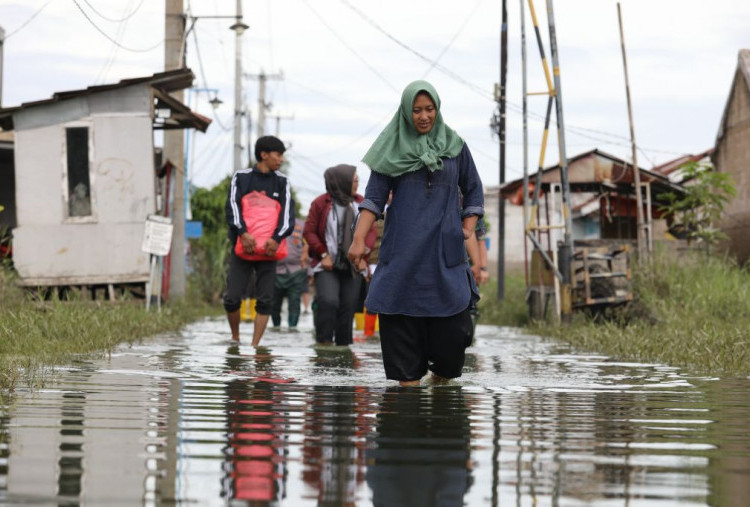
x=196 y=418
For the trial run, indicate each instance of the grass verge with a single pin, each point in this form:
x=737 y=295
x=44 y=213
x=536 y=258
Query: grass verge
x=691 y=312
x=37 y=335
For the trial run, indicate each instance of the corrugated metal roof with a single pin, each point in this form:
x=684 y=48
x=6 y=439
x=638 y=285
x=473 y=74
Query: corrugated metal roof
x=163 y=82
x=621 y=175
x=669 y=167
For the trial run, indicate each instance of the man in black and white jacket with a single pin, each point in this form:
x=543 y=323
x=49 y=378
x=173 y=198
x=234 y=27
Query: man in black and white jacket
x=264 y=178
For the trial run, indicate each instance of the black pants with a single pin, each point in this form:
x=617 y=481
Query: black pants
x=336 y=297
x=412 y=345
x=238 y=277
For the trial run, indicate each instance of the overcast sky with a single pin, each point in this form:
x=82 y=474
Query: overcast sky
x=345 y=62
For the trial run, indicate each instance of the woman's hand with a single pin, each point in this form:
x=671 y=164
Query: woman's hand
x=477 y=274
x=357 y=251
x=484 y=276
x=362 y=267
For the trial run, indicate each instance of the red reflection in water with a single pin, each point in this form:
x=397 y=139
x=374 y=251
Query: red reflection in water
x=254 y=460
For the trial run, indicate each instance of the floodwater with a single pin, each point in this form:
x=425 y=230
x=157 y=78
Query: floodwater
x=191 y=419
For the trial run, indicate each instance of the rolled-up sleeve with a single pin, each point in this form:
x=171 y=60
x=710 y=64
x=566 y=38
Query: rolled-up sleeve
x=376 y=193
x=470 y=184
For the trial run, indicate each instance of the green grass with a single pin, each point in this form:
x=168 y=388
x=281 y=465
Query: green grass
x=691 y=312
x=37 y=335
x=512 y=310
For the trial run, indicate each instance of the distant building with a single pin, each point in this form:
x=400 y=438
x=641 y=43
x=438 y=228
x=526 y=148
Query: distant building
x=85 y=180
x=602 y=204
x=732 y=156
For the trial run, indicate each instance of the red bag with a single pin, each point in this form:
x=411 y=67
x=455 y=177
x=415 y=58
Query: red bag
x=261 y=216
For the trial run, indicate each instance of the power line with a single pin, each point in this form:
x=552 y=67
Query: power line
x=453 y=39
x=347 y=46
x=329 y=97
x=127 y=17
x=110 y=60
x=113 y=41
x=31 y=18
x=202 y=72
x=436 y=65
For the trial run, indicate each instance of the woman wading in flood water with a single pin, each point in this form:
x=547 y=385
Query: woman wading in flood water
x=423 y=288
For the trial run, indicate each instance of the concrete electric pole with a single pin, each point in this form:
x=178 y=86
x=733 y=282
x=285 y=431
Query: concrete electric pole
x=262 y=104
x=239 y=27
x=174 y=150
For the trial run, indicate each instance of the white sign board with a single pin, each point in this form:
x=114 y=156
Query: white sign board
x=157 y=236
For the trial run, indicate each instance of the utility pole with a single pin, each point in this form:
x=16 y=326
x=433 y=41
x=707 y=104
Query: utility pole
x=565 y=259
x=249 y=133
x=278 y=119
x=239 y=27
x=640 y=231
x=500 y=98
x=262 y=104
x=174 y=149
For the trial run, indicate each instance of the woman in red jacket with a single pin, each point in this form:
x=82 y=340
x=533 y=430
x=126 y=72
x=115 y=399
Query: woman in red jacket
x=328 y=232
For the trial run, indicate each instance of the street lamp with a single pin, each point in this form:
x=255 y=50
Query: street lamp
x=239 y=28
x=189 y=133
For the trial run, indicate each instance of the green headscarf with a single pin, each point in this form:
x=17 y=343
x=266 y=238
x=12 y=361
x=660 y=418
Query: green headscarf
x=400 y=149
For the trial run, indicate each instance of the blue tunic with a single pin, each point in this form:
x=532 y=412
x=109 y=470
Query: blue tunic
x=423 y=268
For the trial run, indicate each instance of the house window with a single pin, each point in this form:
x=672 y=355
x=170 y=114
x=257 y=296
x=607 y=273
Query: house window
x=79 y=184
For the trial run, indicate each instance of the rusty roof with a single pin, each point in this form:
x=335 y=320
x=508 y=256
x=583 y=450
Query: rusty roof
x=672 y=168
x=596 y=171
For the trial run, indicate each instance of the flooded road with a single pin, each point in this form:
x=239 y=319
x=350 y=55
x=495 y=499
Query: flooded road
x=193 y=419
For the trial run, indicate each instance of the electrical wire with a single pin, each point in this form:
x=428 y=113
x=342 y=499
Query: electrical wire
x=110 y=60
x=202 y=73
x=356 y=139
x=31 y=18
x=453 y=39
x=441 y=68
x=347 y=46
x=573 y=129
x=127 y=17
x=113 y=41
x=329 y=97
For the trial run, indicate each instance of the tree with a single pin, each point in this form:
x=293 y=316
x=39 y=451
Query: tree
x=696 y=213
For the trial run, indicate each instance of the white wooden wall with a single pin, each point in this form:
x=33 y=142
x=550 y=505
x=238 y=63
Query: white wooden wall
x=50 y=249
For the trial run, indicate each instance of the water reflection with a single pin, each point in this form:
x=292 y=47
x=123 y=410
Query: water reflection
x=730 y=468
x=192 y=419
x=336 y=426
x=255 y=466
x=422 y=449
